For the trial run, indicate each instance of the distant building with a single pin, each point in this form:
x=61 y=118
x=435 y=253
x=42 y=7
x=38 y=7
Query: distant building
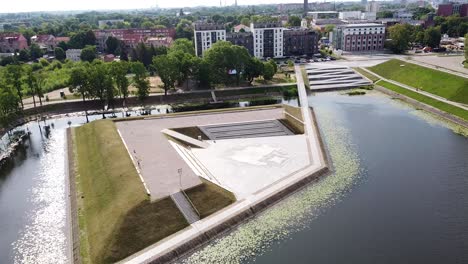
x=320 y=24
x=369 y=16
x=73 y=54
x=205 y=35
x=350 y=15
x=448 y=9
x=159 y=41
x=12 y=42
x=242 y=39
x=359 y=37
x=323 y=14
x=46 y=42
x=268 y=40
x=109 y=58
x=373 y=6
x=109 y=22
x=304 y=23
x=241 y=27
x=130 y=37
x=300 y=41
x=403 y=15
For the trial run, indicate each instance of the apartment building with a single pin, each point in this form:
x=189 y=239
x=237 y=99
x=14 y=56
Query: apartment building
x=300 y=41
x=268 y=40
x=359 y=37
x=130 y=37
x=73 y=54
x=206 y=35
x=12 y=42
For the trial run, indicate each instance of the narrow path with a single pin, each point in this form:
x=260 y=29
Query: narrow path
x=413 y=89
x=185 y=207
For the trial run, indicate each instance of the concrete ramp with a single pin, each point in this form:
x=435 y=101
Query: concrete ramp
x=185 y=138
x=185 y=207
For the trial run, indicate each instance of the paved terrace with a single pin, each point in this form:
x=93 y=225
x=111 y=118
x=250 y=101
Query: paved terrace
x=156 y=158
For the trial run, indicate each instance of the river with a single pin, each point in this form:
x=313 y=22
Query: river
x=398 y=193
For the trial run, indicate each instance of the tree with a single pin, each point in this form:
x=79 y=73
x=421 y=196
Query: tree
x=245 y=21
x=400 y=37
x=432 y=37
x=119 y=74
x=63 y=45
x=9 y=110
x=268 y=71
x=23 y=55
x=31 y=83
x=35 y=51
x=140 y=81
x=294 y=21
x=166 y=67
x=226 y=60
x=112 y=44
x=329 y=28
x=142 y=54
x=13 y=78
x=466 y=47
x=100 y=84
x=88 y=54
x=184 y=29
x=273 y=63
x=60 y=54
x=253 y=69
x=79 y=81
x=184 y=45
x=82 y=39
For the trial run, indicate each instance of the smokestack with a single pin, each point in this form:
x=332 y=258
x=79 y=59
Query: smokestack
x=306 y=7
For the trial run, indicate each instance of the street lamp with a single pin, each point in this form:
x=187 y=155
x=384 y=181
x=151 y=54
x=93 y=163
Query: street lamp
x=179 y=171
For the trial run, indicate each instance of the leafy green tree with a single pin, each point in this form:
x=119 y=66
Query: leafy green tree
x=142 y=54
x=88 y=54
x=253 y=69
x=63 y=45
x=9 y=110
x=119 y=74
x=79 y=81
x=112 y=44
x=225 y=58
x=273 y=63
x=31 y=83
x=100 y=84
x=184 y=45
x=60 y=54
x=13 y=76
x=268 y=71
x=400 y=37
x=166 y=67
x=294 y=21
x=140 y=81
x=245 y=21
x=82 y=39
x=466 y=47
x=23 y=55
x=184 y=29
x=35 y=51
x=201 y=72
x=432 y=37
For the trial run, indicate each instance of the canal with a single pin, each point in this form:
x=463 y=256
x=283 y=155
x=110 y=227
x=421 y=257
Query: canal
x=398 y=193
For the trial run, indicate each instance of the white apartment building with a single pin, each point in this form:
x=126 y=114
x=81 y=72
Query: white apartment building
x=73 y=54
x=267 y=40
x=206 y=35
x=350 y=15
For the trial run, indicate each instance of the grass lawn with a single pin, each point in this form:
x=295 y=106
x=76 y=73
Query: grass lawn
x=116 y=216
x=371 y=77
x=279 y=77
x=457 y=111
x=209 y=198
x=449 y=86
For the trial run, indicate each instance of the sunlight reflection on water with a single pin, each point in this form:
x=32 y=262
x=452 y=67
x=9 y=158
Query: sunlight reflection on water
x=43 y=239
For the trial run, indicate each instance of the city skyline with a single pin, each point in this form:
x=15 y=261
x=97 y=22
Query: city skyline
x=54 y=5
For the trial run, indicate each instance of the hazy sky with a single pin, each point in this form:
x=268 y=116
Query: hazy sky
x=11 y=6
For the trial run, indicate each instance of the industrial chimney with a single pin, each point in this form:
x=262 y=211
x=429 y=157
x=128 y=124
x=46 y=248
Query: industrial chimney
x=306 y=7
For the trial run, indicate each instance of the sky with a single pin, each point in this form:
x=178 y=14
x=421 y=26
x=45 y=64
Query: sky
x=13 y=6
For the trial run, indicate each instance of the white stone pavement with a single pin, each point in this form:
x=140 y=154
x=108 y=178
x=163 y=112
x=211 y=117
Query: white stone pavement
x=413 y=89
x=198 y=228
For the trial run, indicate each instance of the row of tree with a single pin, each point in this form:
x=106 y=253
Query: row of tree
x=403 y=36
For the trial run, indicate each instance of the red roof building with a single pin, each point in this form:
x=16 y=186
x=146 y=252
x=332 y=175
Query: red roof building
x=131 y=37
x=12 y=42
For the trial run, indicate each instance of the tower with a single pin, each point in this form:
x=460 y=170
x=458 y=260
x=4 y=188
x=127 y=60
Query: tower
x=306 y=7
x=235 y=3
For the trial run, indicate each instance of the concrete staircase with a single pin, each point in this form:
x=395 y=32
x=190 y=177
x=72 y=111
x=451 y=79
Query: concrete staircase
x=328 y=78
x=186 y=207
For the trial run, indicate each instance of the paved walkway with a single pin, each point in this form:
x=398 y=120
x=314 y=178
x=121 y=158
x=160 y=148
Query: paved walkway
x=413 y=89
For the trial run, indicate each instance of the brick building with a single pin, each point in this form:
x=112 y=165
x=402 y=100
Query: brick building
x=359 y=37
x=130 y=37
x=300 y=41
x=449 y=9
x=242 y=39
x=12 y=42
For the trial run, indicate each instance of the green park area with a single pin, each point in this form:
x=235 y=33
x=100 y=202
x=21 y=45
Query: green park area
x=443 y=84
x=369 y=76
x=116 y=216
x=454 y=110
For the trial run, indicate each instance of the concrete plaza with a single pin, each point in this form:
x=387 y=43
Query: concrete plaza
x=158 y=161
